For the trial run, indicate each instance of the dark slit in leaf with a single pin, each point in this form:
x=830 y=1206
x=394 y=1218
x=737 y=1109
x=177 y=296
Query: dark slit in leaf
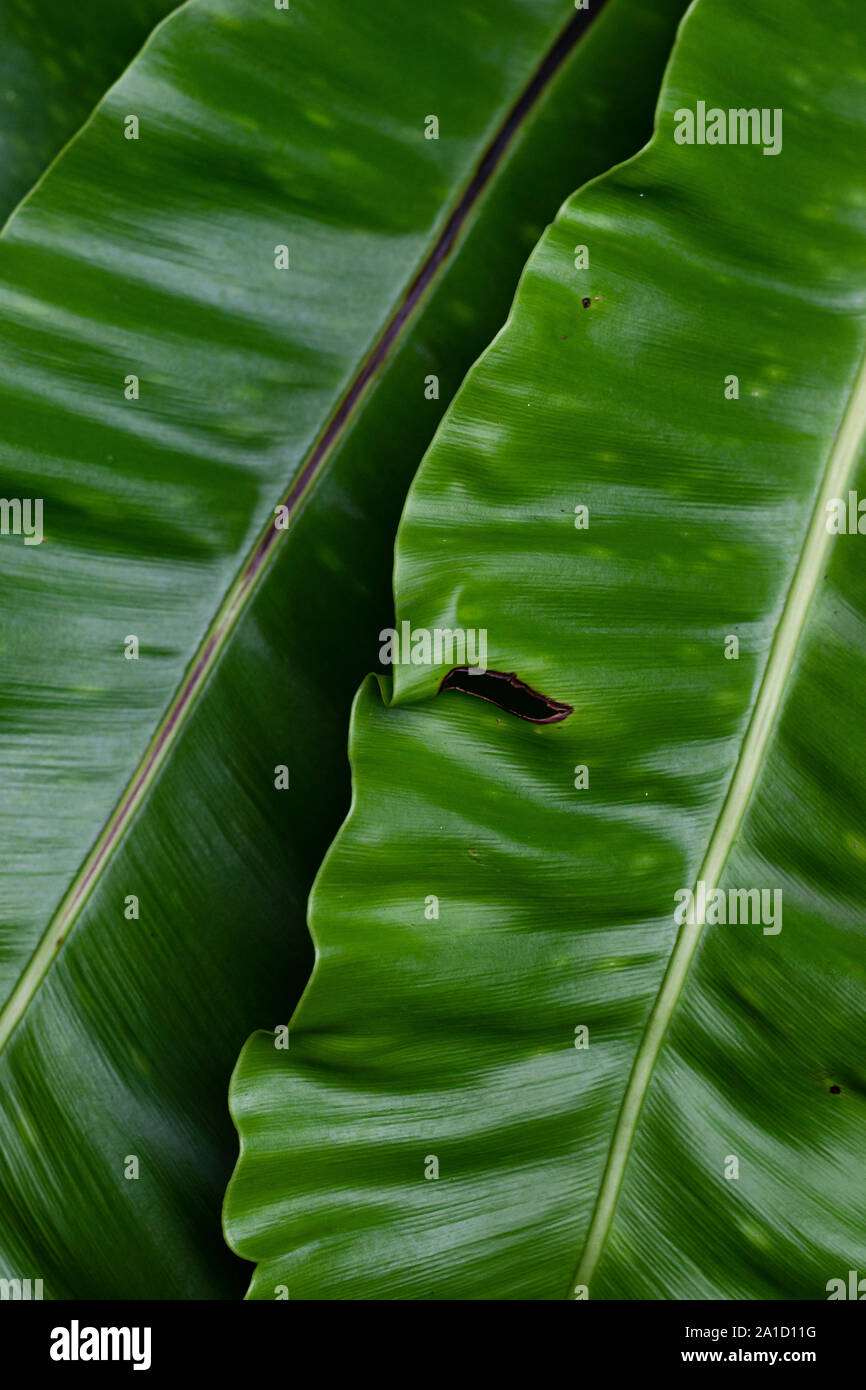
x=505 y=689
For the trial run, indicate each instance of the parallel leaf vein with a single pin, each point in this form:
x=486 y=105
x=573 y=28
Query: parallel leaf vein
x=841 y=460
x=257 y=561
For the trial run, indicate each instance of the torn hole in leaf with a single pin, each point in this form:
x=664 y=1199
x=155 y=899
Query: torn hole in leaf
x=509 y=692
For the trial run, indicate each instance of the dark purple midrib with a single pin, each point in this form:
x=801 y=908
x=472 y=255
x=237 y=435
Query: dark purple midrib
x=490 y=160
x=445 y=243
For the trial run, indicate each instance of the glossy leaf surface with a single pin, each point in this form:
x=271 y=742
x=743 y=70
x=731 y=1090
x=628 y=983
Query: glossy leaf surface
x=152 y=785
x=514 y=1074
x=56 y=61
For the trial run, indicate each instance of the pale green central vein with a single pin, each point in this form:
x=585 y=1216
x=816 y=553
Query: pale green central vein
x=842 y=458
x=261 y=557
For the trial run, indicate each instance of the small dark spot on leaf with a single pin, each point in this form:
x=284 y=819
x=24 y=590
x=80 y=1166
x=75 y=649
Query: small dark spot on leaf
x=509 y=692
x=586 y=302
x=835 y=1090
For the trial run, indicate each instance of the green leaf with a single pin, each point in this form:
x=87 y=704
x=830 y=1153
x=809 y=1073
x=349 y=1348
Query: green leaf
x=56 y=60
x=154 y=779
x=482 y=905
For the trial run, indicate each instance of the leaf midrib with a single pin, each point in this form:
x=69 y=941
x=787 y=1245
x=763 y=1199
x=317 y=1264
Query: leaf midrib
x=810 y=565
x=263 y=551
